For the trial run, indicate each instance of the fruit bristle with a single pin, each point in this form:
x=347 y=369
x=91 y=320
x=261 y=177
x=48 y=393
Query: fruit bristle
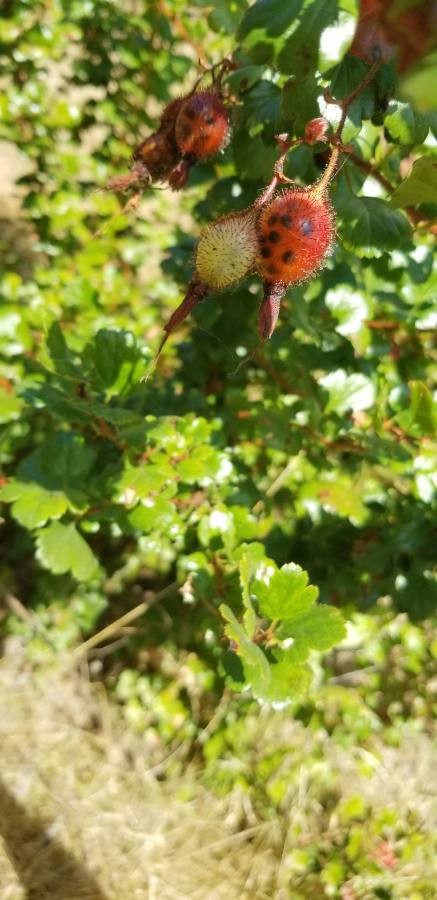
x=295 y=234
x=227 y=250
x=202 y=125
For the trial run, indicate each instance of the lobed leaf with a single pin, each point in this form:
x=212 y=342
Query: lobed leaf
x=285 y=593
x=420 y=186
x=61 y=549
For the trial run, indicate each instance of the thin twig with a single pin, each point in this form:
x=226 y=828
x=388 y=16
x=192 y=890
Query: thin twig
x=337 y=148
x=370 y=169
x=119 y=623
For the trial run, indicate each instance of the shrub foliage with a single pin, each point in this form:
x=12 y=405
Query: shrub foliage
x=237 y=471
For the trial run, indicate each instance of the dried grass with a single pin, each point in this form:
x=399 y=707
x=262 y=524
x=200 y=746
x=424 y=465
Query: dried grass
x=84 y=817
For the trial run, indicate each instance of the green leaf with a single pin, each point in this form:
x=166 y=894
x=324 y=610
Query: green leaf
x=155 y=513
x=71 y=408
x=317 y=629
x=253 y=159
x=285 y=593
x=256 y=667
x=273 y=16
x=65 y=460
x=255 y=664
x=337 y=36
x=337 y=494
x=138 y=482
x=368 y=226
x=202 y=463
x=419 y=84
x=344 y=79
x=226 y=16
x=351 y=309
x=249 y=564
x=32 y=504
x=299 y=55
x=64 y=360
x=421 y=418
x=51 y=480
x=245 y=78
x=218 y=524
x=62 y=464
x=10 y=405
x=287 y=682
x=263 y=107
x=113 y=361
x=404 y=124
x=62 y=549
x=299 y=102
x=353 y=391
x=420 y=186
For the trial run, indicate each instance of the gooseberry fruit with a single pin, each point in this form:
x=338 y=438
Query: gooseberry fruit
x=227 y=250
x=295 y=234
x=202 y=125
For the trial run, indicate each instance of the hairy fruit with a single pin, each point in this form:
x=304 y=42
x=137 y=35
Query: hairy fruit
x=202 y=125
x=227 y=250
x=295 y=234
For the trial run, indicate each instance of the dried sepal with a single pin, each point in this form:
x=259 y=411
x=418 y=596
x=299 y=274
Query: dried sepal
x=196 y=292
x=316 y=130
x=269 y=309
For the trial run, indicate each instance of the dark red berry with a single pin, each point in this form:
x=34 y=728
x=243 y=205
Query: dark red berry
x=302 y=235
x=202 y=125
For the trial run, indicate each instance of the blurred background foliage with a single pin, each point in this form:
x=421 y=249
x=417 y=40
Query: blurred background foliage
x=317 y=448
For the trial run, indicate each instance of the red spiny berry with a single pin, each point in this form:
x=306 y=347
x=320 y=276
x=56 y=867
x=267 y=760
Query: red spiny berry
x=202 y=125
x=296 y=232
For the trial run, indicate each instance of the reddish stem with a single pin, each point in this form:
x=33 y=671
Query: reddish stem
x=344 y=105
